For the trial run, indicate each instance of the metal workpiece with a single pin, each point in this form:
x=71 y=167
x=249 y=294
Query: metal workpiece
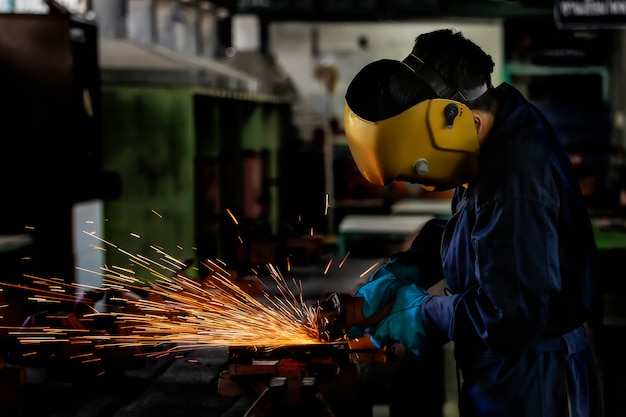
x=339 y=312
x=309 y=380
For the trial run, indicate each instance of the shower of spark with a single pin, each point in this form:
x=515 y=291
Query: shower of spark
x=179 y=312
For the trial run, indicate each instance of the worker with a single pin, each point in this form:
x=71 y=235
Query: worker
x=518 y=252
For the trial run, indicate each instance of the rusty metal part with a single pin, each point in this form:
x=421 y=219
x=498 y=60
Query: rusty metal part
x=305 y=380
x=270 y=402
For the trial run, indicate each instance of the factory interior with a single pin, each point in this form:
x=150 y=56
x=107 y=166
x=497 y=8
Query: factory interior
x=185 y=141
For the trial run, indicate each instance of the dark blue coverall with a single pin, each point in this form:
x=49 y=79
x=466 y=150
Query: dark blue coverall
x=518 y=256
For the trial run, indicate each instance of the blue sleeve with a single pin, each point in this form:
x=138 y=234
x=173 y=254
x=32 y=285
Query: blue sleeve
x=514 y=269
x=517 y=269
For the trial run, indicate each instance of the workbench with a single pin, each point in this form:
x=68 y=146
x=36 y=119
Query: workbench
x=608 y=321
x=384 y=226
x=423 y=206
x=610 y=233
x=13 y=242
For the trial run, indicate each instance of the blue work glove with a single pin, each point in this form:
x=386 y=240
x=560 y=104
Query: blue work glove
x=383 y=284
x=420 y=265
x=403 y=324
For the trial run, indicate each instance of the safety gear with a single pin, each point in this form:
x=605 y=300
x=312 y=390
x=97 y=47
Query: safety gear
x=342 y=315
x=379 y=290
x=404 y=323
x=520 y=269
x=420 y=265
x=433 y=143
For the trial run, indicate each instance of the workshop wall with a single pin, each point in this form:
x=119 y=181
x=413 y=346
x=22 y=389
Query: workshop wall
x=237 y=172
x=149 y=141
x=50 y=159
x=186 y=160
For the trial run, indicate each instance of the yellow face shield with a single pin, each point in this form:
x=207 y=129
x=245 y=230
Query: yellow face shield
x=433 y=143
x=419 y=145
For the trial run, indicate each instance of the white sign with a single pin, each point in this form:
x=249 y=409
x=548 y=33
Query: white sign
x=590 y=13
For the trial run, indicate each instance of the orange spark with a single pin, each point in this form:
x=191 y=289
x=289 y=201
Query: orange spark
x=328 y=266
x=230 y=213
x=367 y=271
x=344 y=259
x=178 y=312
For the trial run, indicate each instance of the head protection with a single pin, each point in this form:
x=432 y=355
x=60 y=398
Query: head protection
x=433 y=143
